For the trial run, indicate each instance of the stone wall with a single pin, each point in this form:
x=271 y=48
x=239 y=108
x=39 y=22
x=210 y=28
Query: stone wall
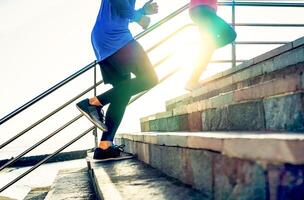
x=220 y=176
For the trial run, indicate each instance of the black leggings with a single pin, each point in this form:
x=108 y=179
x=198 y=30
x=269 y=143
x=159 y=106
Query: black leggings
x=130 y=59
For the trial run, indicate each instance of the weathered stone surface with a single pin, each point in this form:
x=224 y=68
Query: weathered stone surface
x=172 y=140
x=130 y=179
x=272 y=53
x=215 y=119
x=174 y=123
x=143 y=152
x=153 y=125
x=72 y=184
x=270 y=150
x=291 y=57
x=195 y=121
x=222 y=100
x=155 y=156
x=237 y=179
x=145 y=126
x=248 y=116
x=285 y=113
x=298 y=42
x=162 y=124
x=286 y=182
x=201 y=165
x=213 y=144
x=270 y=88
x=34 y=194
x=172 y=161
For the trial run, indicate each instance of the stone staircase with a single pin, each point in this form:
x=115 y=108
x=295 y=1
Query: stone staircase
x=262 y=94
x=239 y=136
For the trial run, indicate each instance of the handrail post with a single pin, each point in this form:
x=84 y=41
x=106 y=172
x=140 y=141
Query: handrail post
x=95 y=93
x=233 y=52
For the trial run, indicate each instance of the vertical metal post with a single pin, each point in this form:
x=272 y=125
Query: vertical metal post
x=95 y=93
x=233 y=52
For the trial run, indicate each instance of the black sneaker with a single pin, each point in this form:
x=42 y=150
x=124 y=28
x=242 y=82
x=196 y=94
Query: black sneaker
x=93 y=113
x=111 y=152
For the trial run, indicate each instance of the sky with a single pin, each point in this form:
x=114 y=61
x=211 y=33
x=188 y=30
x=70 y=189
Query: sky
x=42 y=42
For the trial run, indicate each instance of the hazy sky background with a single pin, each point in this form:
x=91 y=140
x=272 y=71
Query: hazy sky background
x=43 y=41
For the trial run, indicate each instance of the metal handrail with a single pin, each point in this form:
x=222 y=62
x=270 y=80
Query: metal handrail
x=48 y=116
x=46 y=93
x=262 y=4
x=46 y=159
x=75 y=139
x=93 y=64
x=78 y=73
x=159 y=23
x=63 y=126
x=89 y=89
x=9 y=163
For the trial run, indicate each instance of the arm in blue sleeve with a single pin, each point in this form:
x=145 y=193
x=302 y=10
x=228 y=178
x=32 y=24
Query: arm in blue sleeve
x=125 y=10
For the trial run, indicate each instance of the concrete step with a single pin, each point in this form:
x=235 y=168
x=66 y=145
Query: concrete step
x=275 y=65
x=230 y=165
x=284 y=113
x=263 y=94
x=131 y=179
x=72 y=184
x=37 y=193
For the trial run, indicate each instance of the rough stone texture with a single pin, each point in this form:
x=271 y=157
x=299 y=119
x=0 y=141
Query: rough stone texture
x=195 y=121
x=178 y=123
x=269 y=150
x=248 y=116
x=171 y=160
x=291 y=57
x=286 y=182
x=145 y=126
x=173 y=123
x=72 y=184
x=220 y=176
x=238 y=179
x=172 y=140
x=273 y=53
x=143 y=152
x=133 y=180
x=155 y=155
x=285 y=113
x=36 y=194
x=213 y=144
x=298 y=42
x=215 y=119
x=269 y=88
x=162 y=124
x=222 y=100
x=153 y=125
x=200 y=163
x=302 y=79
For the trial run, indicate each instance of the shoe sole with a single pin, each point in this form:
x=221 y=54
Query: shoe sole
x=122 y=157
x=91 y=120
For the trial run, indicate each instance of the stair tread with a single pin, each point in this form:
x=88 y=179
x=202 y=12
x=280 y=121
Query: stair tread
x=132 y=179
x=37 y=193
x=72 y=184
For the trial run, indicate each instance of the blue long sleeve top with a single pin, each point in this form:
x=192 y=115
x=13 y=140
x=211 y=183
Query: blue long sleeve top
x=111 y=32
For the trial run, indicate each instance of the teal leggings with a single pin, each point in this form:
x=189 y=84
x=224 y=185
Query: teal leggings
x=208 y=22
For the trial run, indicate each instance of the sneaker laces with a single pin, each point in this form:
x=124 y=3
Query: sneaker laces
x=120 y=147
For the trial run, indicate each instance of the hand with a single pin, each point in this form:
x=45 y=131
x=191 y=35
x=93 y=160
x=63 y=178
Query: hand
x=150 y=8
x=144 y=22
